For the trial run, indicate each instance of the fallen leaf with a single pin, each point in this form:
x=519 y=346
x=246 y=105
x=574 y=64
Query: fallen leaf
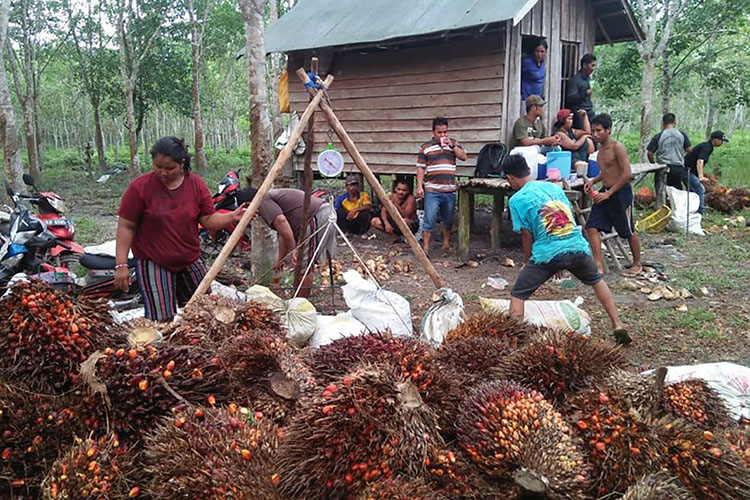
x=508 y=262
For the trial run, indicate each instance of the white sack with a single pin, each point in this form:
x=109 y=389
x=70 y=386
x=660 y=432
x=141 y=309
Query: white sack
x=445 y=314
x=377 y=309
x=332 y=328
x=559 y=314
x=531 y=155
x=263 y=295
x=300 y=320
x=678 y=199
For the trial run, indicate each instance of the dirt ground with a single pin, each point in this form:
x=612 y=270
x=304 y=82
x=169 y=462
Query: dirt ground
x=715 y=325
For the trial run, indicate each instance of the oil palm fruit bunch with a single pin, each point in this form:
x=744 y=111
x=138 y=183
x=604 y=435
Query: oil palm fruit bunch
x=141 y=331
x=704 y=462
x=657 y=486
x=45 y=334
x=695 y=401
x=262 y=372
x=366 y=426
x=34 y=430
x=125 y=390
x=212 y=454
x=399 y=489
x=450 y=473
x=643 y=392
x=93 y=469
x=621 y=444
x=501 y=427
x=409 y=357
x=557 y=364
x=739 y=442
x=502 y=326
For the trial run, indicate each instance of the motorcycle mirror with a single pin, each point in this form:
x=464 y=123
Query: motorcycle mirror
x=28 y=180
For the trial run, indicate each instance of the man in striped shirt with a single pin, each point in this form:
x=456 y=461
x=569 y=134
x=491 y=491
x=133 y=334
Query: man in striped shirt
x=436 y=181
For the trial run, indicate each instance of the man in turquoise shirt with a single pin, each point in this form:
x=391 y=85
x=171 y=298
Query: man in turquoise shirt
x=552 y=241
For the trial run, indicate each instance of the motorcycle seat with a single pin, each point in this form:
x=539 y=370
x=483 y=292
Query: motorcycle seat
x=101 y=262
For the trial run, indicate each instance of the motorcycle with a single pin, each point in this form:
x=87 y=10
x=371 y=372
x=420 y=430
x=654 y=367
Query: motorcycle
x=51 y=211
x=228 y=197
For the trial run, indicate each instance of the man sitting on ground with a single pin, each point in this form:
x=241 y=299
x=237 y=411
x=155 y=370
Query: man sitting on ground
x=530 y=130
x=552 y=242
x=613 y=206
x=407 y=207
x=353 y=208
x=669 y=147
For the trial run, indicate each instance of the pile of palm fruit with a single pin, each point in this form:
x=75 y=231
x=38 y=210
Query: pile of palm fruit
x=725 y=199
x=221 y=405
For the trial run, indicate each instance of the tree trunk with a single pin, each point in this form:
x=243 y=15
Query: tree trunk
x=28 y=127
x=666 y=82
x=98 y=137
x=275 y=58
x=262 y=253
x=196 y=37
x=12 y=166
x=710 y=112
x=647 y=98
x=38 y=128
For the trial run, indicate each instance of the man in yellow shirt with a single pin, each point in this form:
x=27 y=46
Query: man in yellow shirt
x=353 y=208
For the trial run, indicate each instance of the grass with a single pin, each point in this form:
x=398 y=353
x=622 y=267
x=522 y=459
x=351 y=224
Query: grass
x=699 y=320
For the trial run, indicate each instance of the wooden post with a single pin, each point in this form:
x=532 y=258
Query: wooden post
x=464 y=224
x=263 y=189
x=382 y=195
x=660 y=186
x=498 y=204
x=308 y=176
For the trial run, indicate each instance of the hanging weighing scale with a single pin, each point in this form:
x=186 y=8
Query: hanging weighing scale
x=330 y=162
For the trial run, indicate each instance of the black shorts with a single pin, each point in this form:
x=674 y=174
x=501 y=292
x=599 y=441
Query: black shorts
x=534 y=275
x=413 y=227
x=616 y=211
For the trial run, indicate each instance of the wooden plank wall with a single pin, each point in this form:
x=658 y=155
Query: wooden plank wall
x=386 y=100
x=558 y=20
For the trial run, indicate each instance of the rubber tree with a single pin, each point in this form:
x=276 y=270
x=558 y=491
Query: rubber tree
x=12 y=166
x=197 y=30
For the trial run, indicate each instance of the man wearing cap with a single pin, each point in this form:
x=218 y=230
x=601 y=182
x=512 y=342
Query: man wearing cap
x=530 y=130
x=353 y=208
x=695 y=162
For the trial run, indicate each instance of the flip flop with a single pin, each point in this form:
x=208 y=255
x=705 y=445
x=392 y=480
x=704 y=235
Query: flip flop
x=622 y=337
x=633 y=274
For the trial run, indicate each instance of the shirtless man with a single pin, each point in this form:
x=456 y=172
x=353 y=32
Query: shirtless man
x=407 y=207
x=613 y=205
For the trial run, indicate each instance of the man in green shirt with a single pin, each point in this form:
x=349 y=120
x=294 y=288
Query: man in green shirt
x=530 y=130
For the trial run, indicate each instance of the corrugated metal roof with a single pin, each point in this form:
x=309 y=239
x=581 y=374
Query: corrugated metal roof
x=328 y=23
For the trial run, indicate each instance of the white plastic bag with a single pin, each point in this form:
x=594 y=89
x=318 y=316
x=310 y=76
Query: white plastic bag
x=300 y=320
x=227 y=291
x=531 y=155
x=559 y=314
x=679 y=199
x=377 y=309
x=729 y=380
x=263 y=295
x=331 y=328
x=445 y=314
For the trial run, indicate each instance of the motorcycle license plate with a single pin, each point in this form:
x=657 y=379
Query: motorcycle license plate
x=56 y=222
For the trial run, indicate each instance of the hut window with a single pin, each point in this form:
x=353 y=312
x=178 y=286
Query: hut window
x=569 y=66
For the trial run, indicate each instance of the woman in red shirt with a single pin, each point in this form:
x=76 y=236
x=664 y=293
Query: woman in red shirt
x=158 y=220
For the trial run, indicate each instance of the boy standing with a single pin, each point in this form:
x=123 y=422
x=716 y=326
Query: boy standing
x=552 y=242
x=613 y=206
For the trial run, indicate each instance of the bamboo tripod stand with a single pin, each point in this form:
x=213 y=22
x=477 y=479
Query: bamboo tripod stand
x=319 y=99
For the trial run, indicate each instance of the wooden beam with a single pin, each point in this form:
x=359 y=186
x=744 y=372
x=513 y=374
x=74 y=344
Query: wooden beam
x=275 y=170
x=604 y=31
x=373 y=181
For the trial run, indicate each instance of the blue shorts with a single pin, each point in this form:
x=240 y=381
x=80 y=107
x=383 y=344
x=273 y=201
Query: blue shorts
x=435 y=201
x=615 y=212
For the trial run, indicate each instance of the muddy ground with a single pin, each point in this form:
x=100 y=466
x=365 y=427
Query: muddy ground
x=715 y=325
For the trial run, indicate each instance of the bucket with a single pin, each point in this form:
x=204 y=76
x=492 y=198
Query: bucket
x=593 y=169
x=541 y=172
x=560 y=160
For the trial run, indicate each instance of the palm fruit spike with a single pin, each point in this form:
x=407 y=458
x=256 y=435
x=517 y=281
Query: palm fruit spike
x=473 y=356
x=93 y=469
x=643 y=392
x=45 y=334
x=451 y=474
x=34 y=430
x=212 y=454
x=704 y=462
x=504 y=327
x=126 y=390
x=208 y=320
x=501 y=422
x=410 y=358
x=695 y=401
x=620 y=445
x=558 y=364
x=658 y=486
x=256 y=316
x=398 y=489
x=739 y=442
x=366 y=426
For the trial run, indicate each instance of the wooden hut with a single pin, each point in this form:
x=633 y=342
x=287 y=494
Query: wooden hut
x=400 y=63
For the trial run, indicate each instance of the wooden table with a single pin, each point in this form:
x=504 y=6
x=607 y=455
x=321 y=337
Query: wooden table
x=499 y=189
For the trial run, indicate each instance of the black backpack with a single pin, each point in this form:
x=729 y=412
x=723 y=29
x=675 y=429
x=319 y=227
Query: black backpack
x=490 y=160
